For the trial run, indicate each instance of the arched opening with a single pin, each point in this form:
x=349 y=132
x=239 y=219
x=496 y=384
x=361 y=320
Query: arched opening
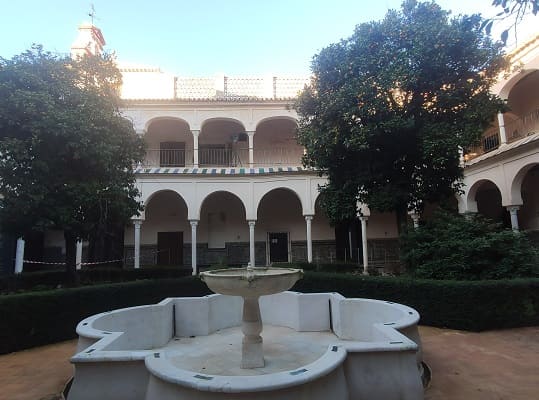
x=281 y=227
x=223 y=233
x=223 y=143
x=169 y=143
x=489 y=202
x=523 y=119
x=275 y=143
x=529 y=211
x=165 y=232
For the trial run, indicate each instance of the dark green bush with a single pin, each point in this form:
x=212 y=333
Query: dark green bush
x=88 y=276
x=452 y=246
x=37 y=318
x=467 y=305
x=323 y=267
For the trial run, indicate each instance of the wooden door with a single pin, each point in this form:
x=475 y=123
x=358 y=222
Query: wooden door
x=278 y=246
x=170 y=248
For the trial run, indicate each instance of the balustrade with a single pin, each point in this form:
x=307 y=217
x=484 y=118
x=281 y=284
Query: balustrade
x=516 y=129
x=220 y=156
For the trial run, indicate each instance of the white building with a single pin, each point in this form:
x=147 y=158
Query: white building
x=501 y=176
x=223 y=182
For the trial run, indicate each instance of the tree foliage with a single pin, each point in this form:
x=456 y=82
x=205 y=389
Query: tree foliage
x=512 y=10
x=452 y=246
x=387 y=109
x=66 y=153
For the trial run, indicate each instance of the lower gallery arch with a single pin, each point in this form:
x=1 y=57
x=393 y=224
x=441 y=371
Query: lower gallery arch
x=529 y=211
x=165 y=234
x=281 y=230
x=223 y=232
x=489 y=201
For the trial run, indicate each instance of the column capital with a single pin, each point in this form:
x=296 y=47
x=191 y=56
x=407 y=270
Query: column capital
x=137 y=222
x=195 y=132
x=363 y=217
x=252 y=222
x=309 y=217
x=193 y=222
x=250 y=133
x=513 y=208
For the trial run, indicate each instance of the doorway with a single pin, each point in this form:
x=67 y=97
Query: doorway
x=278 y=247
x=170 y=248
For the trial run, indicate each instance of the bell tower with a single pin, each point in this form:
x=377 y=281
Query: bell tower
x=90 y=40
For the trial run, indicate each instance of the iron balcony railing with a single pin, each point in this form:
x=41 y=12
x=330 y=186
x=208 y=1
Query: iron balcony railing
x=223 y=157
x=514 y=130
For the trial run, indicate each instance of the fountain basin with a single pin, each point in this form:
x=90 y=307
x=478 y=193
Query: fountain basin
x=340 y=348
x=252 y=282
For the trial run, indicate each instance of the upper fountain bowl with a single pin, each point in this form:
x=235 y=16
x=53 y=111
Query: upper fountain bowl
x=251 y=282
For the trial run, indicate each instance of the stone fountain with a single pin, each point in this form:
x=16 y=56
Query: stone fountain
x=250 y=283
x=317 y=345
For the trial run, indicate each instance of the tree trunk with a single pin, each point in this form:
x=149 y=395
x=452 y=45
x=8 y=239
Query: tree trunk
x=71 y=257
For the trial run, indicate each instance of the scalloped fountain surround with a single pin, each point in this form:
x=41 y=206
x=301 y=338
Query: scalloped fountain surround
x=316 y=346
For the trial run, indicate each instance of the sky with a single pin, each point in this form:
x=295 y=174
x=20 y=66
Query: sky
x=204 y=37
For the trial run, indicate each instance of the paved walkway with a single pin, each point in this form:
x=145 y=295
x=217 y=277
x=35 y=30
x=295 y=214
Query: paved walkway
x=496 y=365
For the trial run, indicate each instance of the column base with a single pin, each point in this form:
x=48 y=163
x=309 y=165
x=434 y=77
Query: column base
x=252 y=355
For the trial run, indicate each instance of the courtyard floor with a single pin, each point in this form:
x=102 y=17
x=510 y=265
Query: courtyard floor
x=492 y=365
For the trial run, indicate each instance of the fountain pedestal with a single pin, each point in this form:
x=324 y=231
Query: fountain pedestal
x=252 y=355
x=251 y=283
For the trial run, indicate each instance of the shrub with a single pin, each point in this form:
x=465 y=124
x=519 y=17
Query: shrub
x=37 y=318
x=52 y=279
x=452 y=246
x=467 y=305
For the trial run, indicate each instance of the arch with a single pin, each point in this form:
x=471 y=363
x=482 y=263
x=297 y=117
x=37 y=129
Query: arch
x=510 y=83
x=289 y=189
x=277 y=117
x=516 y=184
x=275 y=142
x=471 y=202
x=216 y=192
x=221 y=119
x=152 y=195
x=164 y=118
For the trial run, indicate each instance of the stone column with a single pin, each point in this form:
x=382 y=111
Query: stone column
x=251 y=135
x=501 y=124
x=19 y=256
x=78 y=255
x=137 y=224
x=252 y=242
x=514 y=217
x=195 y=148
x=308 y=221
x=194 y=223
x=365 y=249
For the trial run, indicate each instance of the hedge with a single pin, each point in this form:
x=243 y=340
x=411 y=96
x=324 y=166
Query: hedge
x=466 y=305
x=37 y=318
x=52 y=279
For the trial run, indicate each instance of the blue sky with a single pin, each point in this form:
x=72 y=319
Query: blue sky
x=201 y=37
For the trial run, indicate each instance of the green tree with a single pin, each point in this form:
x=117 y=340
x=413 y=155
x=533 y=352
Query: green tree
x=66 y=153
x=388 y=108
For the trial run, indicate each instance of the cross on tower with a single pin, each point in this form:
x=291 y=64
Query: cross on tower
x=91 y=14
